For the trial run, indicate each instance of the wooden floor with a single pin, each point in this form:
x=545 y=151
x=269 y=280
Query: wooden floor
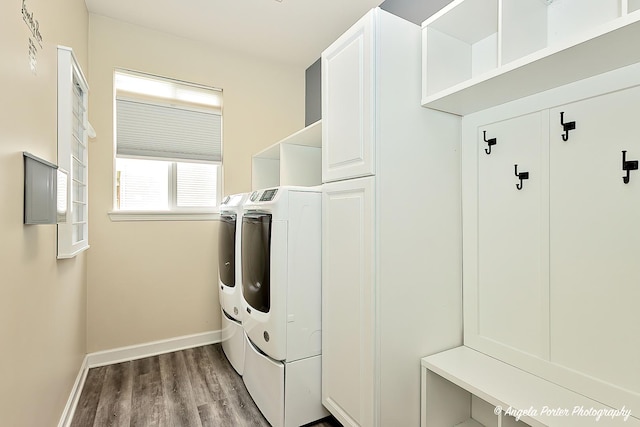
x=190 y=388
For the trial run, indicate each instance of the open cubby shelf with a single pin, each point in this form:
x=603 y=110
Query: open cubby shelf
x=295 y=160
x=481 y=53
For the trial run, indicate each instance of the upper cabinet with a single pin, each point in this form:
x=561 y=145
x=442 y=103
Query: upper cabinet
x=347 y=104
x=294 y=160
x=481 y=53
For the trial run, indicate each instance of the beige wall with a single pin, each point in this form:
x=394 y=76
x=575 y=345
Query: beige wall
x=42 y=300
x=156 y=280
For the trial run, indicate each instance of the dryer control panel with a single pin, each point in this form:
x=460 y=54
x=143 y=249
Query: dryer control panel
x=263 y=195
x=268 y=195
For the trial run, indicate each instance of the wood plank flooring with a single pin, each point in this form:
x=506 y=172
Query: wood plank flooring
x=196 y=387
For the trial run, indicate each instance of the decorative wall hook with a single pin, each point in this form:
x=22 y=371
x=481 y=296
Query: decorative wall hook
x=628 y=165
x=566 y=127
x=521 y=176
x=491 y=141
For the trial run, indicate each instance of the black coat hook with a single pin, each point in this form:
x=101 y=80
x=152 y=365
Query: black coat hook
x=491 y=141
x=566 y=127
x=522 y=176
x=628 y=165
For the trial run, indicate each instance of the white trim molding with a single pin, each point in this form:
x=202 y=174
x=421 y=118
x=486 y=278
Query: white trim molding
x=74 y=397
x=139 y=351
x=125 y=354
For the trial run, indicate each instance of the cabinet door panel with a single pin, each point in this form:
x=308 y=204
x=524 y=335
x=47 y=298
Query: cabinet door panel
x=347 y=301
x=347 y=125
x=595 y=273
x=512 y=284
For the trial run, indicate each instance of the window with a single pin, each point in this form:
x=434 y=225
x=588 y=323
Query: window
x=168 y=145
x=73 y=125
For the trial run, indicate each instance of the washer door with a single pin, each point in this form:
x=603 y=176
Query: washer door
x=256 y=260
x=227 y=249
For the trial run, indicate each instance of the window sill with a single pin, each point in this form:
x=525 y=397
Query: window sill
x=73 y=252
x=118 y=216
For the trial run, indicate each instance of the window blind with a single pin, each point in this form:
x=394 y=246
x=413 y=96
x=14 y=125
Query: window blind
x=167 y=132
x=194 y=185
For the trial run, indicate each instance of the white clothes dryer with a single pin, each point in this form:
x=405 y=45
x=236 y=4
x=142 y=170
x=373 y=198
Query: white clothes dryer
x=281 y=288
x=230 y=279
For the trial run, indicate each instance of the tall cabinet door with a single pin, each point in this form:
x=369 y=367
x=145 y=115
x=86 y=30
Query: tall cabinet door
x=595 y=239
x=347 y=104
x=348 y=300
x=510 y=301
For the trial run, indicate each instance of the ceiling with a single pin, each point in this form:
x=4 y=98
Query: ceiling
x=291 y=31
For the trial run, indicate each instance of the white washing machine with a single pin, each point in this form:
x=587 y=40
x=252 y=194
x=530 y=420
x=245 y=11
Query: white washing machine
x=230 y=279
x=281 y=288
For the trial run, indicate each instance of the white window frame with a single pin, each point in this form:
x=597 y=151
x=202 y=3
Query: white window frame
x=174 y=213
x=70 y=74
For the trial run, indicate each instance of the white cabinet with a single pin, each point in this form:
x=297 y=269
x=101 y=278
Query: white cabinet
x=551 y=273
x=348 y=302
x=392 y=239
x=481 y=53
x=347 y=103
x=295 y=160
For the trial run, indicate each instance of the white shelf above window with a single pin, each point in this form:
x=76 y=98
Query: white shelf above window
x=529 y=46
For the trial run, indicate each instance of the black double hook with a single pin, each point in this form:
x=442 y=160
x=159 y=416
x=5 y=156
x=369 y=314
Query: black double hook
x=566 y=127
x=628 y=165
x=490 y=142
x=522 y=176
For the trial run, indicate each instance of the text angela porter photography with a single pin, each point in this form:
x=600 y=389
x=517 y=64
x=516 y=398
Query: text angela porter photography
x=576 y=411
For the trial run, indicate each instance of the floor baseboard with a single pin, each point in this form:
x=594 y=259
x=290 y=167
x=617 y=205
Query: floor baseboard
x=74 y=396
x=125 y=354
x=139 y=351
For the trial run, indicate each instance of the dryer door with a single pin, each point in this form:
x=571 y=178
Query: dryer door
x=227 y=249
x=256 y=260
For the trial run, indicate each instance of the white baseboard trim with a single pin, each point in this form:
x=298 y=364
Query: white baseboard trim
x=125 y=354
x=74 y=397
x=139 y=351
